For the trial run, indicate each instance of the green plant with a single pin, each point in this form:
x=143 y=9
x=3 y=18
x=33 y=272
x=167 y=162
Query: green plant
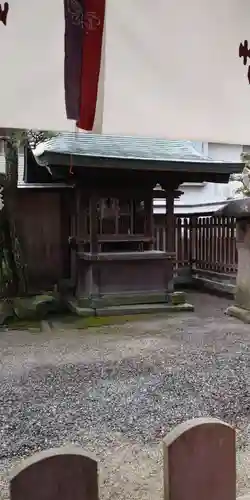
x=244 y=177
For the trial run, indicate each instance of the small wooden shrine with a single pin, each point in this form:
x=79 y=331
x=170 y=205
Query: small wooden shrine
x=106 y=212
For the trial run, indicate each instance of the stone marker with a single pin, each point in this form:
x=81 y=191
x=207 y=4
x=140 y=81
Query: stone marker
x=59 y=474
x=200 y=461
x=240 y=209
x=242 y=296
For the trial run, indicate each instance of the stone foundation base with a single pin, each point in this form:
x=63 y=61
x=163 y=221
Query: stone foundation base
x=144 y=309
x=239 y=313
x=130 y=309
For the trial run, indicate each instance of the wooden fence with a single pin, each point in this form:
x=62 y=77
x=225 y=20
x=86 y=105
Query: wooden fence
x=202 y=242
x=199 y=463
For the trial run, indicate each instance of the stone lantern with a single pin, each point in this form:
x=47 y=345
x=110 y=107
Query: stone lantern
x=240 y=209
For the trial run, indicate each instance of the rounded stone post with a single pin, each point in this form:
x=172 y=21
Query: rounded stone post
x=200 y=461
x=241 y=308
x=240 y=209
x=56 y=474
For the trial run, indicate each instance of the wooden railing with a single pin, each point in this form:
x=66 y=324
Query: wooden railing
x=201 y=241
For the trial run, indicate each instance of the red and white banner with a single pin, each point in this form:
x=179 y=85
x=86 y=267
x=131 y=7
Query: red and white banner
x=84 y=27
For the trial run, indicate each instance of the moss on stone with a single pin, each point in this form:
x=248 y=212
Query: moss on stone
x=178 y=298
x=18 y=324
x=98 y=321
x=37 y=307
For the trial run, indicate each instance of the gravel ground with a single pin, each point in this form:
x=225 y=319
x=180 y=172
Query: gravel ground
x=117 y=390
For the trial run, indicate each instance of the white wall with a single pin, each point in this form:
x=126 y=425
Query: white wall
x=2 y=159
x=207 y=196
x=224 y=152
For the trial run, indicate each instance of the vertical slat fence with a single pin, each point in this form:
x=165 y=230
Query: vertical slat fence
x=205 y=242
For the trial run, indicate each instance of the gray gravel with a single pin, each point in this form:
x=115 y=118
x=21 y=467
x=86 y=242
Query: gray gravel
x=117 y=390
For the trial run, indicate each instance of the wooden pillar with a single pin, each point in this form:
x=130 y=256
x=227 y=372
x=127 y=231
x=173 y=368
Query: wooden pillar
x=149 y=221
x=170 y=236
x=78 y=213
x=170 y=222
x=93 y=222
x=73 y=236
x=191 y=241
x=81 y=211
x=65 y=200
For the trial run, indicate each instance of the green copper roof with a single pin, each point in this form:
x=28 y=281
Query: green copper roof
x=120 y=147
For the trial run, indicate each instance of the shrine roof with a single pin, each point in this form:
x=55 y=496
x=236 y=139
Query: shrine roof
x=120 y=147
x=136 y=153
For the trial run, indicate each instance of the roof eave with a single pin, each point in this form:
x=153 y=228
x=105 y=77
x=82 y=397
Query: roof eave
x=181 y=165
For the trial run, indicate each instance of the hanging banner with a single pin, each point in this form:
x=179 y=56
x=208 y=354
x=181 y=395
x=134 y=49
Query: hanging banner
x=51 y=64
x=178 y=69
